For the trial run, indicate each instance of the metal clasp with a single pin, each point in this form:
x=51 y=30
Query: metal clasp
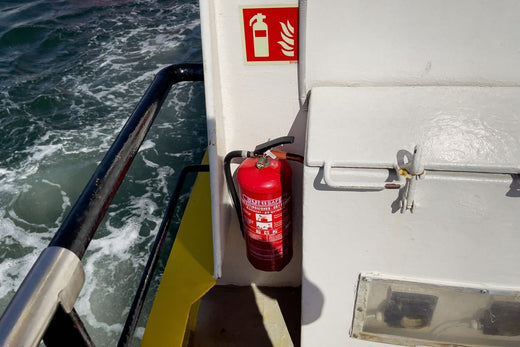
x=412 y=171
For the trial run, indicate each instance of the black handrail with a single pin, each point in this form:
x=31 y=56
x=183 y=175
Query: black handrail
x=81 y=223
x=74 y=235
x=146 y=279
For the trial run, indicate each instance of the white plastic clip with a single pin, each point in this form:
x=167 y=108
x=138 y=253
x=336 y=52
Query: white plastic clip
x=270 y=154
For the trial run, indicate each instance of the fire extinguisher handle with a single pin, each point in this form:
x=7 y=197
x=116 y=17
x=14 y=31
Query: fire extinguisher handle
x=264 y=147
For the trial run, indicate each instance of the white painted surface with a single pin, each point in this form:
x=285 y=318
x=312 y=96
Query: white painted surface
x=460 y=128
x=465 y=226
x=246 y=105
x=410 y=42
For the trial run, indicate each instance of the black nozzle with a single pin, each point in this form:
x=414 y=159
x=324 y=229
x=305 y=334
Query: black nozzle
x=264 y=147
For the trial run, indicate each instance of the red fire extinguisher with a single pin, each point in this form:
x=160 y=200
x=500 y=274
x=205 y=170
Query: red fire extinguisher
x=264 y=204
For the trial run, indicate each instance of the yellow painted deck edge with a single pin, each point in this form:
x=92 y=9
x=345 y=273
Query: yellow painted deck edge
x=188 y=274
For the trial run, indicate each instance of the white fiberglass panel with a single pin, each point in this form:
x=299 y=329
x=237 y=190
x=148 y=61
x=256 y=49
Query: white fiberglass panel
x=464 y=229
x=246 y=105
x=410 y=42
x=465 y=220
x=463 y=128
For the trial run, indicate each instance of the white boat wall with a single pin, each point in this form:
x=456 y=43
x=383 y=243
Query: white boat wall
x=407 y=112
x=247 y=104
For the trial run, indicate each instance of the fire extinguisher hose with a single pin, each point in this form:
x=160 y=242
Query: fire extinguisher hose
x=231 y=185
x=229 y=177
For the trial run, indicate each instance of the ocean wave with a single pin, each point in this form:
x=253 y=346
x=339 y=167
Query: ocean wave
x=76 y=71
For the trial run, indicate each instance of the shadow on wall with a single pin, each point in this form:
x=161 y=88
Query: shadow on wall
x=312 y=298
x=514 y=188
x=312 y=301
x=298 y=130
x=289 y=299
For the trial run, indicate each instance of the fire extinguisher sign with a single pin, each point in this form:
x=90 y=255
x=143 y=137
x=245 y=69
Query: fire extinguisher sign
x=270 y=34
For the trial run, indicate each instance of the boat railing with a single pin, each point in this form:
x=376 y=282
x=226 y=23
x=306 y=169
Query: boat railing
x=160 y=238
x=43 y=306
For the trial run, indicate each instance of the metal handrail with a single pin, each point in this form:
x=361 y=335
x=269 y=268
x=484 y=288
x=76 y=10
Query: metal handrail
x=81 y=223
x=57 y=277
x=55 y=280
x=146 y=279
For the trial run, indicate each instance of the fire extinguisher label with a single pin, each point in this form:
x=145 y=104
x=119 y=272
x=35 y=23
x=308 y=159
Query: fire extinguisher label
x=265 y=218
x=270 y=34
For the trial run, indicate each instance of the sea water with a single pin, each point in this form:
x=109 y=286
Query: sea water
x=71 y=73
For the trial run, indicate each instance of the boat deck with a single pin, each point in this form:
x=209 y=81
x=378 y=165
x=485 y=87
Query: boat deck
x=248 y=316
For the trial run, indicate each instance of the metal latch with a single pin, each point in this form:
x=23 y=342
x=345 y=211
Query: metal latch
x=408 y=174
